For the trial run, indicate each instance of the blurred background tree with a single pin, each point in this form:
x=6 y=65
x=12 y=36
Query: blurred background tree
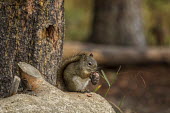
x=157 y=24
x=118 y=22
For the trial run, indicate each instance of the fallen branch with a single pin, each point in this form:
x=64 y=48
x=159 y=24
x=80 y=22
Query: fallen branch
x=111 y=55
x=33 y=78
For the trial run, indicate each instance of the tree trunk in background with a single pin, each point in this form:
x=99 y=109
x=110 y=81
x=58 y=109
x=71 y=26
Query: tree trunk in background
x=118 y=22
x=32 y=31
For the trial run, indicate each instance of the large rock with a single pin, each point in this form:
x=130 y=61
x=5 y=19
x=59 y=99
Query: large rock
x=53 y=100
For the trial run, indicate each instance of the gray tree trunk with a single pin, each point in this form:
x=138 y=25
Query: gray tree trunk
x=32 y=31
x=118 y=22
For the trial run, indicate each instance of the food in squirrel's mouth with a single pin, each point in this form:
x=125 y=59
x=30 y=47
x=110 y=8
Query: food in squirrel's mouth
x=95 y=77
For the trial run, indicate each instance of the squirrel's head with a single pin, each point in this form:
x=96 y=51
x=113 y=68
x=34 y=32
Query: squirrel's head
x=88 y=64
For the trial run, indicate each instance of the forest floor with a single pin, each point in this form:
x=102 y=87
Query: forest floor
x=142 y=89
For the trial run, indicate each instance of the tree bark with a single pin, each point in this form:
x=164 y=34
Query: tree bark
x=32 y=31
x=118 y=22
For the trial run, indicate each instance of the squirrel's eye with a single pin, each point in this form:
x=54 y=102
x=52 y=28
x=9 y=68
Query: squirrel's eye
x=89 y=63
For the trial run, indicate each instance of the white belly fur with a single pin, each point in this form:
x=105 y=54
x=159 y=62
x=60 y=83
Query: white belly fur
x=80 y=83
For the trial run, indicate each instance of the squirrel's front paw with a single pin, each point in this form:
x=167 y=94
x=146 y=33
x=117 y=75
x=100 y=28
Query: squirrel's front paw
x=84 y=91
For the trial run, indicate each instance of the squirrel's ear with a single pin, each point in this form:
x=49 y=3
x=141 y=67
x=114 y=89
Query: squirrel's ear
x=91 y=55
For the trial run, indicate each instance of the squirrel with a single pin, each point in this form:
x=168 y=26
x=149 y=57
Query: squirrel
x=76 y=72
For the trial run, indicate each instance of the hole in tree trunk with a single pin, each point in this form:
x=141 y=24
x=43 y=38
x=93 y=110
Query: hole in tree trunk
x=50 y=31
x=50 y=34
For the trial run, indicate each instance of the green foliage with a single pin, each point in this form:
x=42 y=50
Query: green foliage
x=121 y=102
x=104 y=76
x=78 y=15
x=97 y=88
x=156 y=16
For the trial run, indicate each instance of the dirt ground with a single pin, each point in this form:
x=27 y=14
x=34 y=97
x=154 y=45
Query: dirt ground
x=142 y=89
